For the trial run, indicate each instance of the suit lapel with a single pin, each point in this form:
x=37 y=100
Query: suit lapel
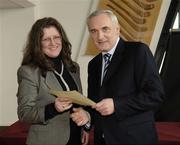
x=99 y=69
x=52 y=81
x=115 y=61
x=96 y=69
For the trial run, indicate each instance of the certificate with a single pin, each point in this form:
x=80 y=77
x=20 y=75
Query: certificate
x=74 y=96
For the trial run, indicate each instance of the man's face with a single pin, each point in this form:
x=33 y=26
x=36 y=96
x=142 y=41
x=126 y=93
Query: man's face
x=103 y=32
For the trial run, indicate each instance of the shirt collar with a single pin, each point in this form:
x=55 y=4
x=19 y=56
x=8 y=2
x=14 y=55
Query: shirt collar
x=111 y=51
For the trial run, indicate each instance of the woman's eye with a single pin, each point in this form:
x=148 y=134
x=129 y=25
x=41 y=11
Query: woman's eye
x=45 y=39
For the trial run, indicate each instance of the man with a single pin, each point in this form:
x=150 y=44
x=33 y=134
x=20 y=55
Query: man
x=127 y=88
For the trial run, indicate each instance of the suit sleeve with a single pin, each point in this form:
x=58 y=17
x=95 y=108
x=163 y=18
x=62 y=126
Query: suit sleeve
x=149 y=92
x=92 y=91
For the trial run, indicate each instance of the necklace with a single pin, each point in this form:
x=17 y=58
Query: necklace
x=61 y=77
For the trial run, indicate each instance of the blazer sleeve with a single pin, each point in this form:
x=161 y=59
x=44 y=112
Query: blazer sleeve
x=28 y=108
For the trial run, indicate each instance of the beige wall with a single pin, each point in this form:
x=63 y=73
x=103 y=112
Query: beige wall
x=16 y=23
x=14 y=27
x=0 y=65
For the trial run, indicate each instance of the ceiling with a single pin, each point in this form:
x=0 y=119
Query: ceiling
x=10 y=4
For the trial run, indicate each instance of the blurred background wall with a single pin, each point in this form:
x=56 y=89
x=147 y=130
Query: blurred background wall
x=15 y=23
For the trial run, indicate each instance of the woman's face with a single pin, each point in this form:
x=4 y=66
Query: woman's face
x=51 y=42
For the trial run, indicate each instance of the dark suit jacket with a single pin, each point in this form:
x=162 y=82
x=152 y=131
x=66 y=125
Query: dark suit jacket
x=133 y=82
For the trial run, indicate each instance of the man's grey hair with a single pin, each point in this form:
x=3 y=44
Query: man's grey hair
x=108 y=12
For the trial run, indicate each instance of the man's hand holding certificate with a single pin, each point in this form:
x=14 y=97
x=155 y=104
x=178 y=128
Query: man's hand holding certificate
x=74 y=96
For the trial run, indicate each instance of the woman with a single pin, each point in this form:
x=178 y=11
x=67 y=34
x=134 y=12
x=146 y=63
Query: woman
x=46 y=65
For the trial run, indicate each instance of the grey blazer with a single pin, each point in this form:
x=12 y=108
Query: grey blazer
x=33 y=95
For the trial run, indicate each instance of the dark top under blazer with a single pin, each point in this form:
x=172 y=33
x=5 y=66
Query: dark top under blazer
x=132 y=81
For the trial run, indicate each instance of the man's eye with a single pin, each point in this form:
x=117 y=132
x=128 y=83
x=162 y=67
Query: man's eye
x=105 y=29
x=93 y=31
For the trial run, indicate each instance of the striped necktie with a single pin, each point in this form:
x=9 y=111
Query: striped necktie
x=106 y=57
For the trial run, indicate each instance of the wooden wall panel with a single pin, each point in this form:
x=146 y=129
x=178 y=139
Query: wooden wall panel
x=137 y=19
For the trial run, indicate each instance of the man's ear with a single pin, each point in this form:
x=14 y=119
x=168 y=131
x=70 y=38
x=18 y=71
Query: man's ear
x=118 y=28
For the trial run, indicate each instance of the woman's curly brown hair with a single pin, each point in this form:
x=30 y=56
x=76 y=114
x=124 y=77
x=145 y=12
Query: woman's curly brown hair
x=33 y=53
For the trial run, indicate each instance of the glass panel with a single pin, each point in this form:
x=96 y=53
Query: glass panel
x=176 y=22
